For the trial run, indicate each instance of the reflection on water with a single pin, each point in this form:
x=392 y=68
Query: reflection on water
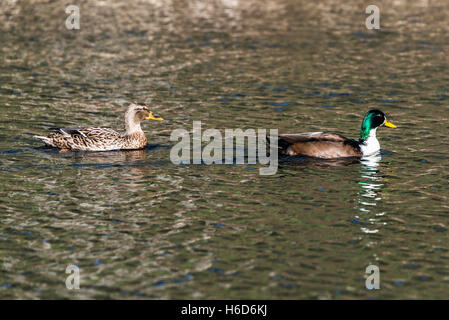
x=370 y=194
x=141 y=227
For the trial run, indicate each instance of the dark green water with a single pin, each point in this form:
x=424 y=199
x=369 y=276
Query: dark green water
x=139 y=226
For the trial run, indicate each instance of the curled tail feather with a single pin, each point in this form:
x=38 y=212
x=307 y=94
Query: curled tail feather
x=282 y=145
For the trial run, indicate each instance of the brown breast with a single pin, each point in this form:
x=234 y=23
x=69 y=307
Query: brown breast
x=136 y=140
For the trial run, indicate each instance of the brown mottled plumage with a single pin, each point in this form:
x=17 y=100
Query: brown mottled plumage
x=103 y=139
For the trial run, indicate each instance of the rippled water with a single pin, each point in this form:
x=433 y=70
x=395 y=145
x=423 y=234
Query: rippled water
x=139 y=226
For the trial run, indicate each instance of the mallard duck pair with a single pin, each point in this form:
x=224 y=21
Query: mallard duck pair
x=311 y=144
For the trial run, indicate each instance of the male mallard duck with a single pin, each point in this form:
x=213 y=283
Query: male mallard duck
x=330 y=146
x=103 y=139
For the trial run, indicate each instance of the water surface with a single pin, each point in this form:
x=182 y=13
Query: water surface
x=139 y=226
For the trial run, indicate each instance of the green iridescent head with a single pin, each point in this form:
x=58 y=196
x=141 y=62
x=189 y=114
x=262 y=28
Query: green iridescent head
x=373 y=119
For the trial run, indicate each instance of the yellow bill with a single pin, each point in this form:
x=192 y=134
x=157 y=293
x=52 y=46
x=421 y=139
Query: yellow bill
x=389 y=124
x=152 y=117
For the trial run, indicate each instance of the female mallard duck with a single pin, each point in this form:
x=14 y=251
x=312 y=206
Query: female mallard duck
x=330 y=146
x=103 y=139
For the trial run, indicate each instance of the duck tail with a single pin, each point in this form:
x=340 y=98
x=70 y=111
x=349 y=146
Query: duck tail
x=282 y=144
x=45 y=140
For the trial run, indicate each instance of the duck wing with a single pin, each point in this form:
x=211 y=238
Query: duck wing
x=319 y=144
x=311 y=136
x=69 y=132
x=86 y=132
x=88 y=138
